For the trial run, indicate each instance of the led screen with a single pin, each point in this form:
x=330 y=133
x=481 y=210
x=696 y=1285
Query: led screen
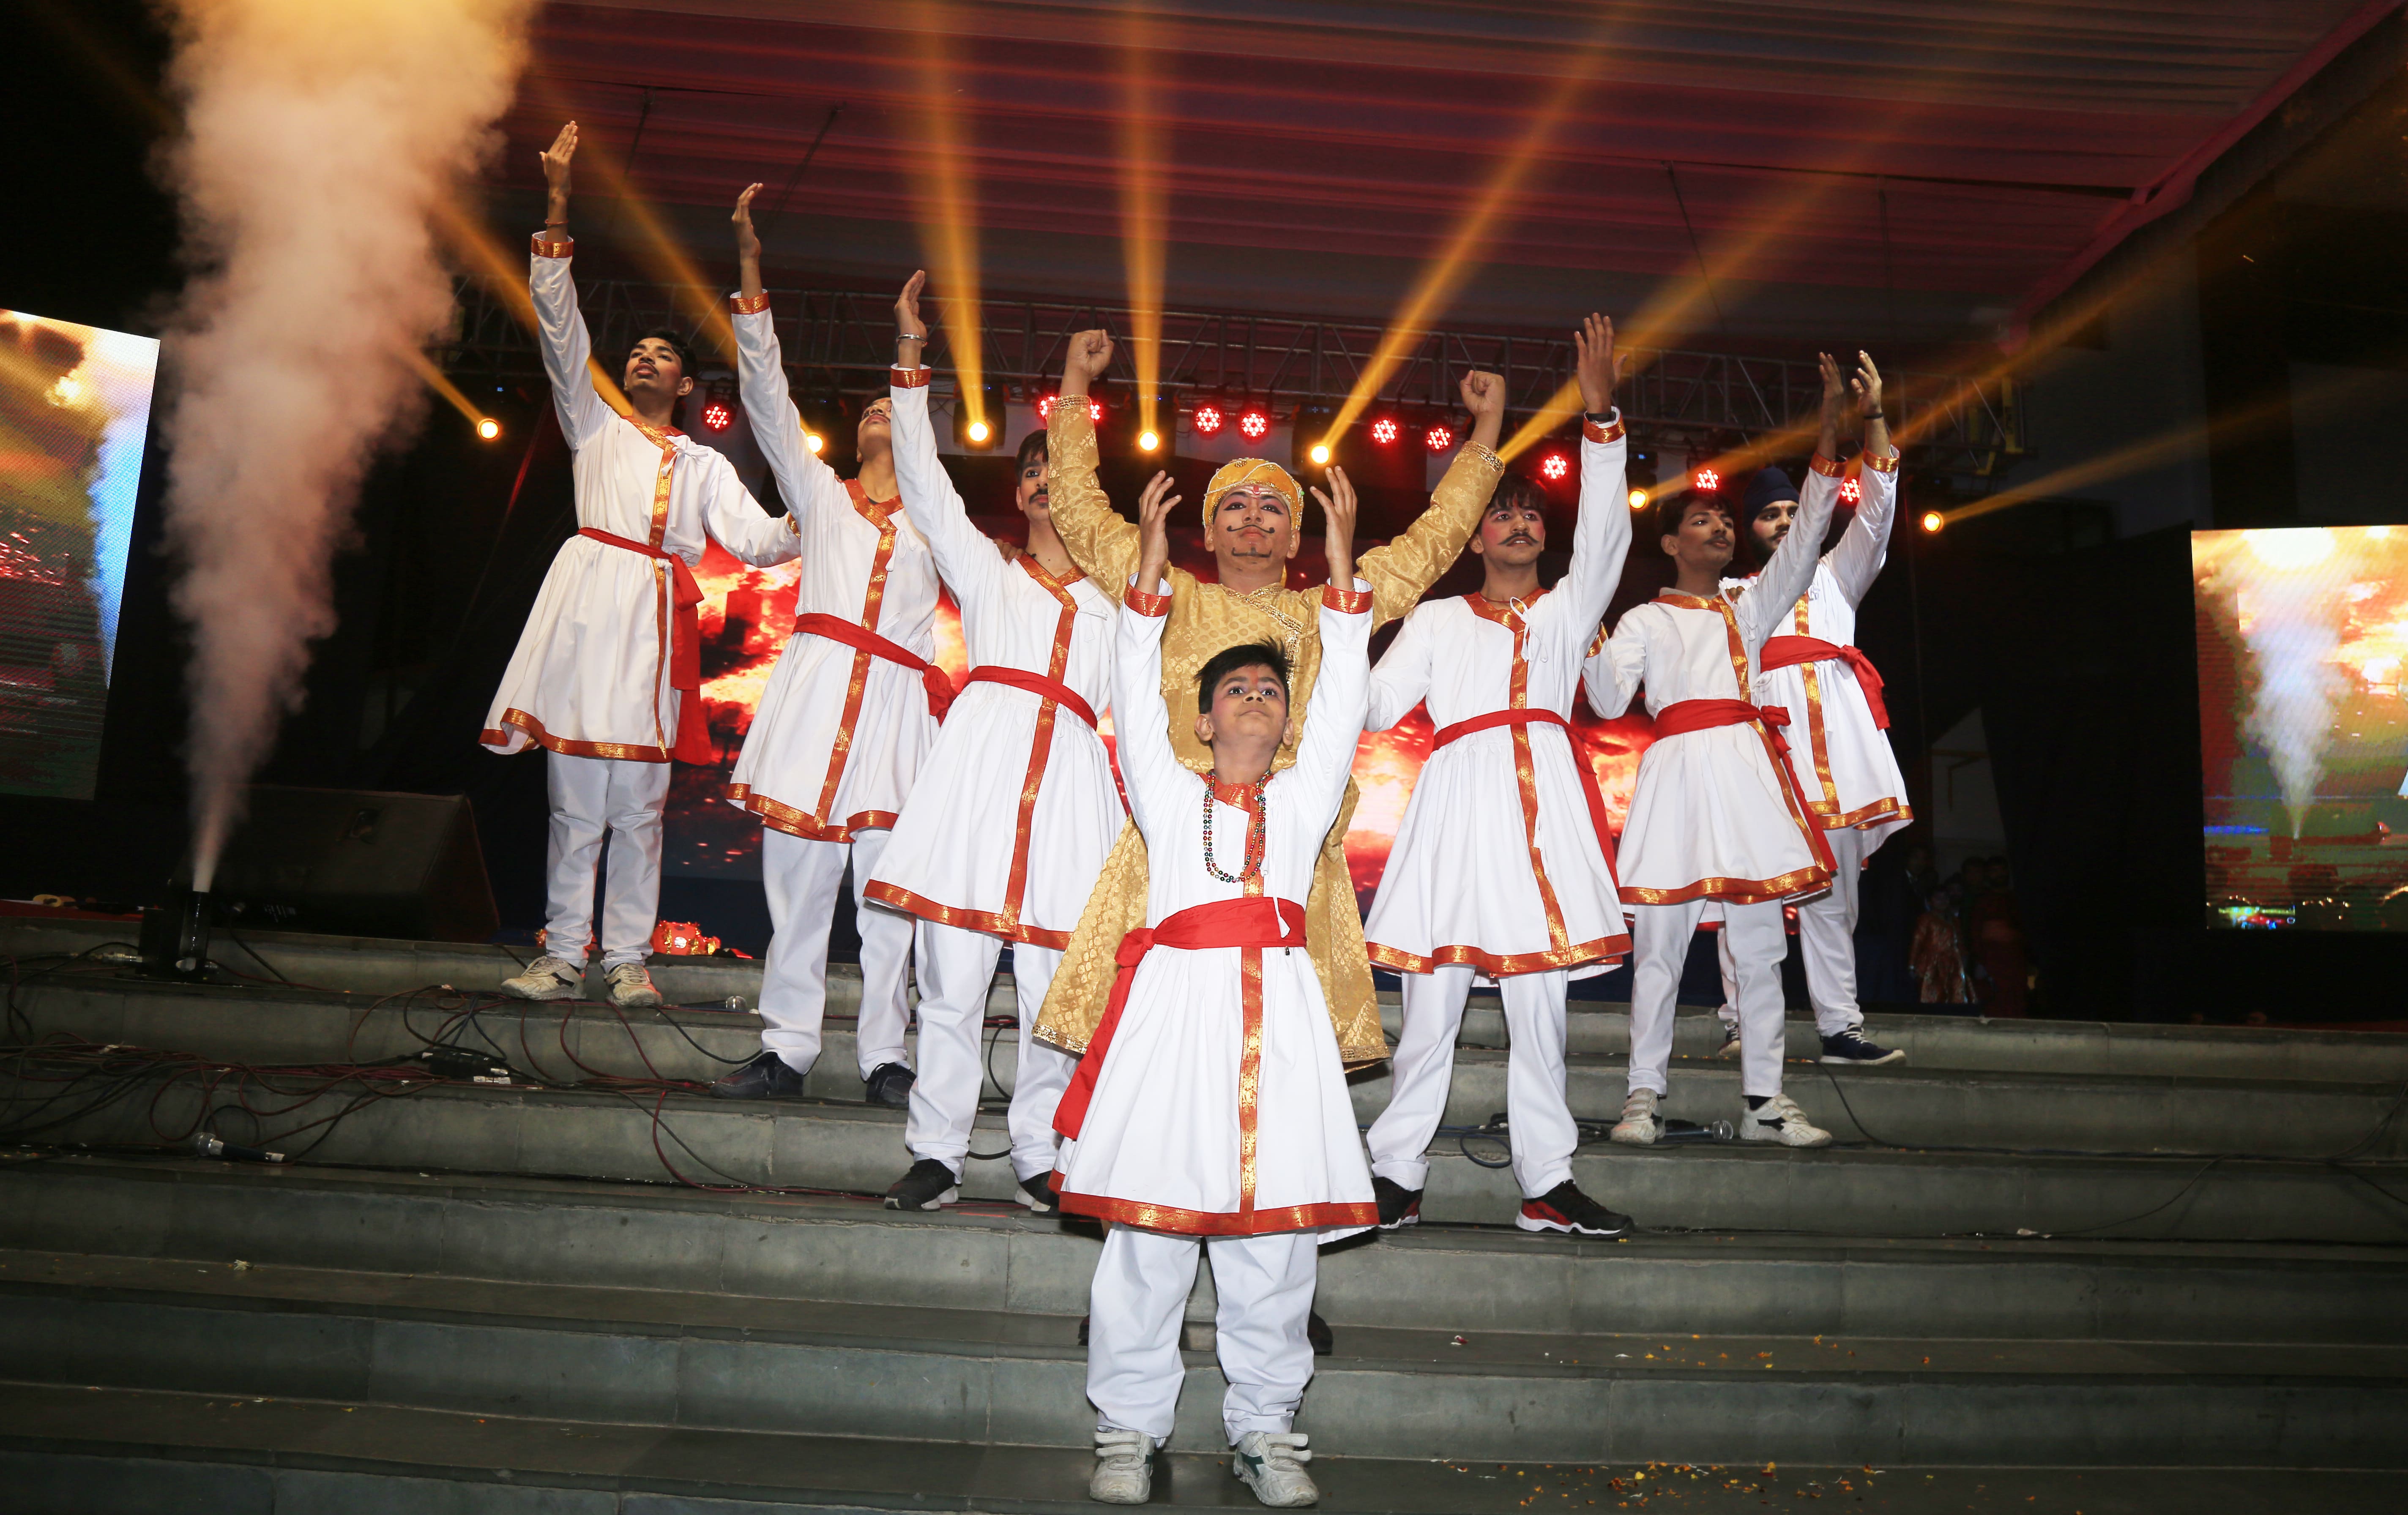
x=2304 y=727
x=75 y=418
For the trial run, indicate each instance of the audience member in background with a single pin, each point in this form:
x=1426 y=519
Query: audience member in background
x=1938 y=951
x=1996 y=934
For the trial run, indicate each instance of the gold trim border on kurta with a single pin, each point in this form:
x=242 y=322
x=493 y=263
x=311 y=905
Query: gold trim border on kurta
x=1169 y=1217
x=533 y=729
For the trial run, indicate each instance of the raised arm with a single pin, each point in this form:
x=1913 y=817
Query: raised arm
x=804 y=482
x=1615 y=664
x=1403 y=571
x=1151 y=771
x=1104 y=546
x=1401 y=678
x=968 y=559
x=1856 y=561
x=1601 y=536
x=736 y=520
x=1767 y=601
x=560 y=326
x=1325 y=754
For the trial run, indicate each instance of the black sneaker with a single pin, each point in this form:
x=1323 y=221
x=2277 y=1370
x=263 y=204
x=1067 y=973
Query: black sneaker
x=766 y=1077
x=1318 y=1332
x=890 y=1084
x=1565 y=1209
x=1849 y=1049
x=930 y=1185
x=1398 y=1205
x=1039 y=1194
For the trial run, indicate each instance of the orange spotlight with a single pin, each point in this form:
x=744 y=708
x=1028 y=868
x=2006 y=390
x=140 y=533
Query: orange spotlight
x=1320 y=454
x=1933 y=520
x=979 y=430
x=815 y=442
x=1148 y=440
x=1639 y=499
x=490 y=429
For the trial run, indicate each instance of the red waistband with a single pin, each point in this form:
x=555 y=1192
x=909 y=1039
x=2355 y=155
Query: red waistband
x=1254 y=922
x=692 y=743
x=837 y=629
x=1788 y=651
x=1542 y=717
x=1684 y=716
x=1035 y=683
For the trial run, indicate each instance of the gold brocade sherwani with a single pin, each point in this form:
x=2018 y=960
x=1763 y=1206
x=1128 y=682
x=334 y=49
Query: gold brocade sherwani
x=1204 y=619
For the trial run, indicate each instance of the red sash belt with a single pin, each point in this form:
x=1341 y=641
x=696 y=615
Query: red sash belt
x=692 y=744
x=1684 y=716
x=932 y=678
x=1495 y=719
x=1036 y=683
x=1257 y=922
x=1788 y=651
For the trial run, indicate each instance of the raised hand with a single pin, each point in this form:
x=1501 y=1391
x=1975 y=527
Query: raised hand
x=1484 y=395
x=1154 y=507
x=748 y=242
x=911 y=332
x=1868 y=386
x=1090 y=354
x=1834 y=399
x=1596 y=364
x=1338 y=531
x=555 y=174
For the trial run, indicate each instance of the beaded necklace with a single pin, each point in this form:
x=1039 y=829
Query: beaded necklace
x=1257 y=834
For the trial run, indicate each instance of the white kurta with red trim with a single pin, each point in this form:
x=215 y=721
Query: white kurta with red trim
x=1221 y=1107
x=1843 y=761
x=590 y=677
x=1016 y=809
x=840 y=733
x=1498 y=862
x=1713 y=815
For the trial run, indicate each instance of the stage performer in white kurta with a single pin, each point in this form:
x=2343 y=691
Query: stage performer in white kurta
x=1212 y=1106
x=607 y=678
x=1014 y=809
x=1502 y=864
x=843 y=724
x=1716 y=829
x=1838 y=738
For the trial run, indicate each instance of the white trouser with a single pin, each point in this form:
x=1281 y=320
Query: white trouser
x=590 y=796
x=957 y=965
x=1140 y=1295
x=1539 y=1123
x=1659 y=940
x=1826 y=939
x=802 y=877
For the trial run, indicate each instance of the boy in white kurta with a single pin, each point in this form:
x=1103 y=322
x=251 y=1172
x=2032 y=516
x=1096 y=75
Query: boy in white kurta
x=1212 y=1103
x=1014 y=809
x=1716 y=829
x=1501 y=864
x=1839 y=741
x=606 y=675
x=843 y=723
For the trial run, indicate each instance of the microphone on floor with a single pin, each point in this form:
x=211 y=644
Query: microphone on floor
x=208 y=1144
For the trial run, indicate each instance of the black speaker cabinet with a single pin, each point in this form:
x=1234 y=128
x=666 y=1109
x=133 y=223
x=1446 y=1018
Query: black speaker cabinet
x=356 y=862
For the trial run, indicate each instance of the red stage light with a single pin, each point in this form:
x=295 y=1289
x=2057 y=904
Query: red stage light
x=717 y=416
x=1255 y=424
x=1383 y=431
x=1707 y=480
x=1045 y=407
x=1439 y=439
x=1207 y=419
x=1850 y=491
x=1555 y=466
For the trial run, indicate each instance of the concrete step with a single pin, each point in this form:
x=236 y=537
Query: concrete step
x=718 y=1361
x=1905 y=1104
x=801 y=1145
x=996 y=1257
x=155 y=1451
x=377 y=966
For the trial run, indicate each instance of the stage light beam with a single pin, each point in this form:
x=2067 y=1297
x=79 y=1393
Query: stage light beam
x=1143 y=214
x=941 y=172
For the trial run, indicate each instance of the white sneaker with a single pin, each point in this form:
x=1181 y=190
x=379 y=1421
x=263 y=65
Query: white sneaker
x=631 y=988
x=1779 y=1118
x=547 y=978
x=1729 y=1047
x=1639 y=1126
x=1272 y=1464
x=1124 y=1472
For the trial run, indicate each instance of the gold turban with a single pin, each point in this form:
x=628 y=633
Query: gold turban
x=1261 y=471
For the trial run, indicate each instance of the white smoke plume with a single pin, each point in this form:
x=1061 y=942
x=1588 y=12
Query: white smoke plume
x=318 y=137
x=2290 y=618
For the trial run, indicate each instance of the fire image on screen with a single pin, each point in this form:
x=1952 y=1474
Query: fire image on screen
x=2304 y=727
x=75 y=418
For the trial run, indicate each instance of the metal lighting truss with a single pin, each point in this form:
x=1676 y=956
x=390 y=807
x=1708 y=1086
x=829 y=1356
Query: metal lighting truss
x=841 y=343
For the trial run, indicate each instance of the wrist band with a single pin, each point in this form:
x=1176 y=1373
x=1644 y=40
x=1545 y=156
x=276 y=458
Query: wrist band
x=1874 y=415
x=910 y=336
